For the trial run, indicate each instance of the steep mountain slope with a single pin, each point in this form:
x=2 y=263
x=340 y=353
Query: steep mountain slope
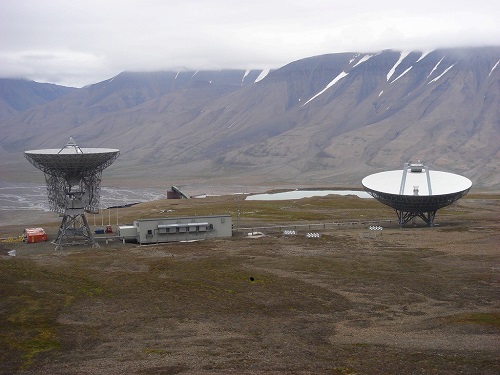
x=392 y=107
x=327 y=120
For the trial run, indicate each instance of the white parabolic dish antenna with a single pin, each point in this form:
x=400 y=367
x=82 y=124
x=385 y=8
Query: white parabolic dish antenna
x=72 y=161
x=416 y=191
x=73 y=177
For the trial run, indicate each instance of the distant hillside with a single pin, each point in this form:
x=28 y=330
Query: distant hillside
x=17 y=95
x=323 y=120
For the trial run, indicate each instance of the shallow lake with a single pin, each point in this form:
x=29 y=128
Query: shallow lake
x=299 y=194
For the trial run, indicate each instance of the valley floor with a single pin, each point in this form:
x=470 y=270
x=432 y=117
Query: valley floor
x=415 y=300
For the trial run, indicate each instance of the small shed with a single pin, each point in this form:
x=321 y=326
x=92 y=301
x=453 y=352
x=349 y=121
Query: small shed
x=31 y=235
x=176 y=193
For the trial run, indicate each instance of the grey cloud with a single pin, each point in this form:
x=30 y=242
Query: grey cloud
x=83 y=42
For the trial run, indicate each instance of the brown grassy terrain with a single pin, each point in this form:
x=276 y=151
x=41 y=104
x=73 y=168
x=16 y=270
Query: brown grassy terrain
x=414 y=300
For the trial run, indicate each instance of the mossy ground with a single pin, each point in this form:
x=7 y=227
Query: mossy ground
x=412 y=300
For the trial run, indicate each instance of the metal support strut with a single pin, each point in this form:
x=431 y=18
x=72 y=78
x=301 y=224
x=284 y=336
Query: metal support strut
x=74 y=226
x=405 y=217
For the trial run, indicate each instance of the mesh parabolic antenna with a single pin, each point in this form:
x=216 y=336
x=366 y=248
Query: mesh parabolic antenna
x=416 y=191
x=73 y=177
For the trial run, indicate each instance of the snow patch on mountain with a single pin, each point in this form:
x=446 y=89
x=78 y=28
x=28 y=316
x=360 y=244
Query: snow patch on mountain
x=262 y=75
x=362 y=60
x=393 y=69
x=494 y=67
x=244 y=76
x=422 y=56
x=442 y=74
x=402 y=74
x=435 y=67
x=334 y=81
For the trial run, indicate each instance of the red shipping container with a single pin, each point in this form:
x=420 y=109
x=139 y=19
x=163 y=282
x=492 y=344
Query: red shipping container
x=31 y=235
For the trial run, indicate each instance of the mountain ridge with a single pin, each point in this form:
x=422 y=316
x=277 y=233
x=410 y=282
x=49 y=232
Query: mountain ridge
x=17 y=95
x=329 y=119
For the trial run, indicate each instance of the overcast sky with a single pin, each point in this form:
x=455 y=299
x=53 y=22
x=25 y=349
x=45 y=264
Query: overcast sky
x=75 y=42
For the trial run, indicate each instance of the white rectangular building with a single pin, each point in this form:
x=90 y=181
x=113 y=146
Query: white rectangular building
x=148 y=231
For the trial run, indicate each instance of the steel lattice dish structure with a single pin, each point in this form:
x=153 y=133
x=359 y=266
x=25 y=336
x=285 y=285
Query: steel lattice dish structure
x=72 y=166
x=73 y=177
x=416 y=191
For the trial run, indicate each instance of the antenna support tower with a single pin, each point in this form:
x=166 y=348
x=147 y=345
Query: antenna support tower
x=73 y=178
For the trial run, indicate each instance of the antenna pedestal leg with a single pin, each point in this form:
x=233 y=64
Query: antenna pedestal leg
x=405 y=217
x=74 y=227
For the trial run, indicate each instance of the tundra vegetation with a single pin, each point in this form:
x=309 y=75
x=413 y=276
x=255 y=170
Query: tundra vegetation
x=353 y=301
